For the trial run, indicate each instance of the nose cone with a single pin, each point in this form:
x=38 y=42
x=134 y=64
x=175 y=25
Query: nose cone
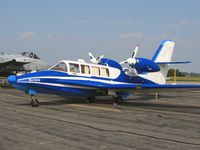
x=12 y=79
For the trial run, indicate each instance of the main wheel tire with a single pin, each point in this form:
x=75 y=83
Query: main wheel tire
x=118 y=99
x=91 y=99
x=34 y=102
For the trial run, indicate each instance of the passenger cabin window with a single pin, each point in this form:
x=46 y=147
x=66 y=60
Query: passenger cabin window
x=85 y=69
x=74 y=68
x=105 y=72
x=95 y=71
x=60 y=67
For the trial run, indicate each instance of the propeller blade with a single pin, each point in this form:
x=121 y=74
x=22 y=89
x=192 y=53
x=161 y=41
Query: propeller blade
x=132 y=60
x=95 y=60
x=100 y=57
x=123 y=62
x=91 y=56
x=135 y=51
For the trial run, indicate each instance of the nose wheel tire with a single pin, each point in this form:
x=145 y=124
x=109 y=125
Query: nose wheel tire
x=34 y=102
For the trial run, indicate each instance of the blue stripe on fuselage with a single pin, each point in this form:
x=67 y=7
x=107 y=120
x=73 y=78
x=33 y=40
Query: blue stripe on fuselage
x=122 y=77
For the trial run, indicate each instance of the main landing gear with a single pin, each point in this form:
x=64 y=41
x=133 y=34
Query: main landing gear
x=117 y=99
x=90 y=99
x=34 y=102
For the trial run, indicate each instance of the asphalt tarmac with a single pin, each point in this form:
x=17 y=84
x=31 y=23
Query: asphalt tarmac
x=172 y=122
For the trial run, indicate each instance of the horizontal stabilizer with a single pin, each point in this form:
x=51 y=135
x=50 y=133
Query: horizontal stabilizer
x=175 y=62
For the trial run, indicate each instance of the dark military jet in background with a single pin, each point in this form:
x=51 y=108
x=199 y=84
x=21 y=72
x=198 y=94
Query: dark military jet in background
x=20 y=63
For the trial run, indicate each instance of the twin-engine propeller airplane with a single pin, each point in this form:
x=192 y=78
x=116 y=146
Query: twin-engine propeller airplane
x=102 y=77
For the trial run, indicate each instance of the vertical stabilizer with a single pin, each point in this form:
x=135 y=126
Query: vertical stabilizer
x=163 y=54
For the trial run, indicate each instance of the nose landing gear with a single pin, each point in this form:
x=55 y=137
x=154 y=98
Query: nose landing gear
x=34 y=102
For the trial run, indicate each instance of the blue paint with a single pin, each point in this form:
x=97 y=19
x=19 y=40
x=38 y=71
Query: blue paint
x=31 y=92
x=144 y=65
x=12 y=79
x=111 y=63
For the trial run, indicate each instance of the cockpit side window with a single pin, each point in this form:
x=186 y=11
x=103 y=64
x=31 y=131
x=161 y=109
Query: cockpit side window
x=74 y=68
x=60 y=67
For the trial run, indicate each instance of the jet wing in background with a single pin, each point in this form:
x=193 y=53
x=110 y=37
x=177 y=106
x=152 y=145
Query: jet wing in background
x=14 y=62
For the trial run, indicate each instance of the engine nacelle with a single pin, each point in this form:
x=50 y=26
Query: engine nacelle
x=143 y=65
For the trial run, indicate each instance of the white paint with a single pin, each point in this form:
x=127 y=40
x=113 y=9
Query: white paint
x=113 y=72
x=165 y=55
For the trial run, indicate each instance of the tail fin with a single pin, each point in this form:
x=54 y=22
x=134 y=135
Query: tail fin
x=163 y=54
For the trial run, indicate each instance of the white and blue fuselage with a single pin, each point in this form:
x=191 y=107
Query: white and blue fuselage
x=75 y=78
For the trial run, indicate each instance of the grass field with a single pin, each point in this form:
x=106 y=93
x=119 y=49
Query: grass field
x=189 y=79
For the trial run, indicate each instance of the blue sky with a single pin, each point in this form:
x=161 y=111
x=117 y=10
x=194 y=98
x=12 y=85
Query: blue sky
x=69 y=29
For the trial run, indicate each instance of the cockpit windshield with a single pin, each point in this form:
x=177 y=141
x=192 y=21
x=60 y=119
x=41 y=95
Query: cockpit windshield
x=60 y=67
x=30 y=55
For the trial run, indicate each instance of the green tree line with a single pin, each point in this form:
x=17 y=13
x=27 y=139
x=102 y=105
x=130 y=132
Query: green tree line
x=178 y=73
